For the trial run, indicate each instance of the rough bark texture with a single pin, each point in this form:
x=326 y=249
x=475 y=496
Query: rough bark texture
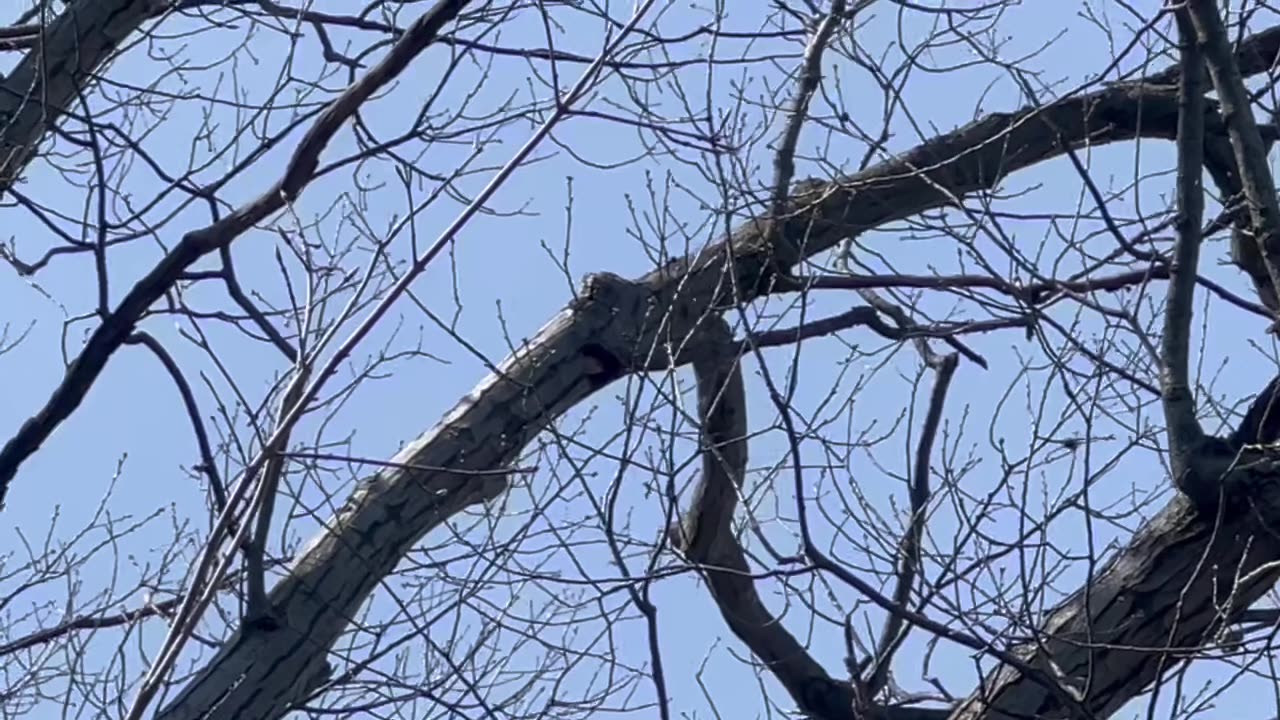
x=1168 y=589
x=616 y=327
x=40 y=89
x=1177 y=582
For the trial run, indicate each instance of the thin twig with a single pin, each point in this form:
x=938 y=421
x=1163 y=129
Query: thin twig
x=895 y=628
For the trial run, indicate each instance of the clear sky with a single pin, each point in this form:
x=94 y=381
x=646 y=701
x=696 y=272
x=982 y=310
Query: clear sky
x=131 y=436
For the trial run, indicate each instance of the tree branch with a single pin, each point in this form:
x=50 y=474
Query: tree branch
x=784 y=158
x=706 y=538
x=895 y=628
x=1242 y=131
x=616 y=327
x=115 y=328
x=60 y=65
x=207 y=464
x=1181 y=425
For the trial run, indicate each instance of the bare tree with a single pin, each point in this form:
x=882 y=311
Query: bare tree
x=1026 y=472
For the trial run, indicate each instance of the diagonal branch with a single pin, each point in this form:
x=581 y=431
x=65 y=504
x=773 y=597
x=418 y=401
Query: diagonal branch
x=116 y=327
x=616 y=327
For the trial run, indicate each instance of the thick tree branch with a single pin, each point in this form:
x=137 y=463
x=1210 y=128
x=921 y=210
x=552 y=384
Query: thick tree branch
x=616 y=327
x=55 y=71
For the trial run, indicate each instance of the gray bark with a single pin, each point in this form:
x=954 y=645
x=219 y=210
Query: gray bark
x=1163 y=594
x=70 y=53
x=617 y=327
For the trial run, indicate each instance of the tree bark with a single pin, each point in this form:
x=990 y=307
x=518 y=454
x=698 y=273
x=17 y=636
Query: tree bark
x=616 y=327
x=1182 y=576
x=62 y=64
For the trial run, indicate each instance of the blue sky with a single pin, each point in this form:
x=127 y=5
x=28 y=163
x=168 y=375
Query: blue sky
x=505 y=267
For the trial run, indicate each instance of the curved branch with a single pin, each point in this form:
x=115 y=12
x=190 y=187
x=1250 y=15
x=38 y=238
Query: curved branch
x=207 y=464
x=894 y=632
x=232 y=283
x=616 y=327
x=706 y=538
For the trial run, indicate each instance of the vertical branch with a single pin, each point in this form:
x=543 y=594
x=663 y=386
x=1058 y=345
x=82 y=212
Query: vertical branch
x=258 y=610
x=706 y=538
x=1246 y=252
x=784 y=159
x=1242 y=130
x=895 y=626
x=1184 y=431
